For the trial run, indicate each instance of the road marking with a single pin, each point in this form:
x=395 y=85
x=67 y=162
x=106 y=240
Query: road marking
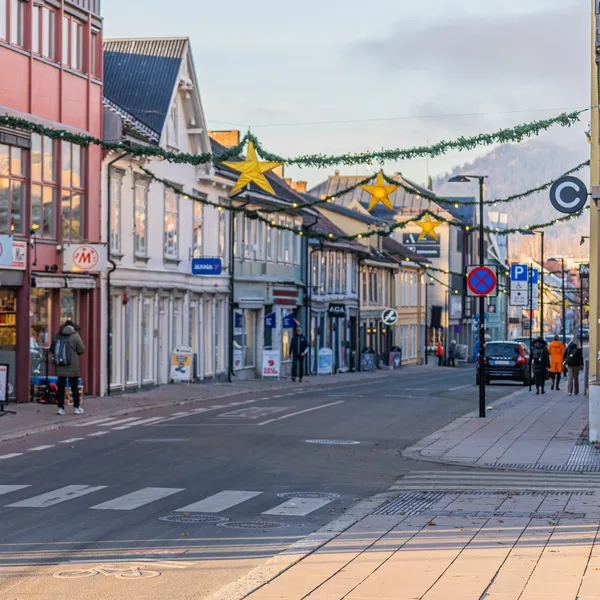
x=180 y=414
x=252 y=412
x=298 y=507
x=300 y=412
x=460 y=387
x=98 y=433
x=120 y=422
x=94 y=422
x=57 y=496
x=140 y=422
x=219 y=502
x=40 y=448
x=14 y=455
x=6 y=489
x=137 y=499
x=71 y=441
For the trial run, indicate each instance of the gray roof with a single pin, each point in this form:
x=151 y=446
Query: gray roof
x=140 y=76
x=324 y=226
x=131 y=123
x=348 y=212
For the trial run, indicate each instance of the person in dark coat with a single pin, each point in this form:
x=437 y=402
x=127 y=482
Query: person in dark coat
x=297 y=352
x=574 y=364
x=452 y=354
x=540 y=362
x=69 y=369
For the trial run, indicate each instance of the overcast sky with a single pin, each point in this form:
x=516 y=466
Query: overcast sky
x=334 y=76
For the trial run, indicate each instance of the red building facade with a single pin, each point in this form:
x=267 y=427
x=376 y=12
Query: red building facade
x=50 y=73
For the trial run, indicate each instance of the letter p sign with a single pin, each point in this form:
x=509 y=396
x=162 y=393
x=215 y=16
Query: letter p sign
x=518 y=272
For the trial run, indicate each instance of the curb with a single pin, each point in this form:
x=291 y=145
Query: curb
x=279 y=564
x=23 y=433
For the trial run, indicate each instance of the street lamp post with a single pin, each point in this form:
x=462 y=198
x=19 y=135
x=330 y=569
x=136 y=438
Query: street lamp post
x=481 y=179
x=541 y=278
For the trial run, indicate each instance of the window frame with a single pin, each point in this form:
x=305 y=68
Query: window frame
x=44 y=36
x=197 y=229
x=116 y=177
x=143 y=185
x=73 y=189
x=223 y=236
x=16 y=178
x=47 y=183
x=70 y=27
x=168 y=252
x=20 y=38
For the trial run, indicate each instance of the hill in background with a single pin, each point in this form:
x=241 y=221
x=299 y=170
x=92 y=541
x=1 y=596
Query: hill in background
x=512 y=169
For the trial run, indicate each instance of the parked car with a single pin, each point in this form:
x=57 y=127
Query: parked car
x=507 y=360
x=523 y=340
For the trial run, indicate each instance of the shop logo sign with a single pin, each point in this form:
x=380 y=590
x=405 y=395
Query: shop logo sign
x=85 y=257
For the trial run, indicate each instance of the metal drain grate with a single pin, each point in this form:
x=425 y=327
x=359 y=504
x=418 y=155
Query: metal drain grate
x=333 y=442
x=193 y=519
x=251 y=525
x=309 y=495
x=410 y=504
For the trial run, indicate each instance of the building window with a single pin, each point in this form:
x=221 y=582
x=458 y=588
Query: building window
x=248 y=237
x=12 y=21
x=413 y=341
x=44 y=32
x=96 y=55
x=171 y=239
x=147 y=337
x=324 y=273
x=270 y=243
x=297 y=246
x=141 y=218
x=116 y=186
x=173 y=125
x=260 y=240
x=43 y=186
x=72 y=51
x=344 y=275
x=73 y=162
x=331 y=270
x=12 y=189
x=244 y=338
x=223 y=253
x=197 y=234
x=413 y=289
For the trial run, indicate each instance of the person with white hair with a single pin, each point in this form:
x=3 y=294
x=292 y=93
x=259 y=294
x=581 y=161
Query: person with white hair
x=574 y=364
x=452 y=354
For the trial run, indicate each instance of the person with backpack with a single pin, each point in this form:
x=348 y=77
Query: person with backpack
x=540 y=363
x=557 y=355
x=574 y=364
x=66 y=348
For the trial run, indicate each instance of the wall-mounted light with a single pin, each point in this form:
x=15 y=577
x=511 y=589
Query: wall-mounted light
x=33 y=232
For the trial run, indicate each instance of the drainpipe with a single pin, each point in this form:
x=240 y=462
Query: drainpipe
x=110 y=272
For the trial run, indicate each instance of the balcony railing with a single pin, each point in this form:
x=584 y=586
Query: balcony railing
x=91 y=6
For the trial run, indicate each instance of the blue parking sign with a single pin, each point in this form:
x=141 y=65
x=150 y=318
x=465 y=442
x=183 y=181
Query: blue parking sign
x=518 y=272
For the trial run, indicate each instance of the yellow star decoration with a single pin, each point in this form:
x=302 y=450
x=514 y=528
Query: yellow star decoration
x=380 y=192
x=428 y=227
x=252 y=171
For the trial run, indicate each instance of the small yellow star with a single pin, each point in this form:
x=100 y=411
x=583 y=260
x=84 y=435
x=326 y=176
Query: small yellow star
x=252 y=171
x=380 y=192
x=428 y=227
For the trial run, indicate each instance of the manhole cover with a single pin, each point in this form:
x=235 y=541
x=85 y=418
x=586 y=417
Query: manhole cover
x=334 y=442
x=252 y=525
x=193 y=519
x=311 y=495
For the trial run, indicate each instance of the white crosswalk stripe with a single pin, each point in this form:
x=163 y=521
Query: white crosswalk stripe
x=139 y=422
x=219 y=502
x=137 y=499
x=57 y=496
x=13 y=455
x=297 y=507
x=94 y=422
x=480 y=480
x=6 y=489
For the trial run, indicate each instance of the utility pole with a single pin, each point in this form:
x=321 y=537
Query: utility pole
x=564 y=308
x=481 y=305
x=542 y=294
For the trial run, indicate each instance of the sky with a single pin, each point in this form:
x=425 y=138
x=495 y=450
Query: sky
x=333 y=76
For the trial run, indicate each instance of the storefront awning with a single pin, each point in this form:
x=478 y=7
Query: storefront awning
x=73 y=282
x=251 y=303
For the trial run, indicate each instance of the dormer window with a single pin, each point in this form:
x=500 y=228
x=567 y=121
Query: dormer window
x=173 y=125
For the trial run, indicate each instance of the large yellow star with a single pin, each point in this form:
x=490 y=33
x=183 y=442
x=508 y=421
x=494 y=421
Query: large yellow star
x=428 y=227
x=380 y=192
x=252 y=171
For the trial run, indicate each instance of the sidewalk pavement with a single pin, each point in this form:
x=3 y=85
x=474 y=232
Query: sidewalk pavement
x=35 y=418
x=524 y=431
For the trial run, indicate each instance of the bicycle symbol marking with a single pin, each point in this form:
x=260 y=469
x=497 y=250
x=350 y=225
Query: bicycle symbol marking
x=116 y=571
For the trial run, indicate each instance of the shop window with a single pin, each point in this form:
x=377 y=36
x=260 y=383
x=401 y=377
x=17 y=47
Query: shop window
x=41 y=316
x=131 y=349
x=208 y=338
x=116 y=303
x=12 y=189
x=72 y=50
x=68 y=305
x=268 y=331
x=244 y=338
x=73 y=194
x=286 y=337
x=220 y=341
x=197 y=232
x=116 y=187
x=8 y=337
x=147 y=338
x=141 y=218
x=43 y=186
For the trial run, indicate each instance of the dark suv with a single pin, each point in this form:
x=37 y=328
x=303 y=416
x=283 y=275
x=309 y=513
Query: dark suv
x=506 y=360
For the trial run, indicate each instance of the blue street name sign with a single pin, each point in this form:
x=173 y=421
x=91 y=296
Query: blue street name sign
x=271 y=321
x=207 y=266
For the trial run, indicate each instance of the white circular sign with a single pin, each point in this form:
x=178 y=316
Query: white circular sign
x=85 y=258
x=568 y=194
x=389 y=316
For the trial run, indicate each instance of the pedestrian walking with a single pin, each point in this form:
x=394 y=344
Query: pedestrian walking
x=574 y=364
x=452 y=354
x=439 y=352
x=66 y=348
x=557 y=356
x=540 y=362
x=297 y=352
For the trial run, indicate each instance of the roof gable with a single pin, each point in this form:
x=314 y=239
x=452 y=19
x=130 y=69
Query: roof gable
x=141 y=74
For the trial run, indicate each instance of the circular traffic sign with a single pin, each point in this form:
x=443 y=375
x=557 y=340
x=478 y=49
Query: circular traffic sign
x=481 y=281
x=389 y=316
x=568 y=194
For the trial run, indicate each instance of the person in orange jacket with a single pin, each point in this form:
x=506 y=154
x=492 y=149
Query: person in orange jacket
x=557 y=352
x=439 y=352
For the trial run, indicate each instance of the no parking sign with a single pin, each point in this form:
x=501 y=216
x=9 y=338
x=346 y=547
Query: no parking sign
x=482 y=281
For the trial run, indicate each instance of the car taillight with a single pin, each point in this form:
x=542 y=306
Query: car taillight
x=521 y=360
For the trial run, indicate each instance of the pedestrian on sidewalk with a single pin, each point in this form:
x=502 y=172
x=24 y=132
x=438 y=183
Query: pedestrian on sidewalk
x=297 y=352
x=452 y=354
x=557 y=356
x=540 y=362
x=574 y=364
x=439 y=352
x=66 y=348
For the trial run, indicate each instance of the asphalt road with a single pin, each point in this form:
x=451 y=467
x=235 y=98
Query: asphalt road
x=84 y=505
